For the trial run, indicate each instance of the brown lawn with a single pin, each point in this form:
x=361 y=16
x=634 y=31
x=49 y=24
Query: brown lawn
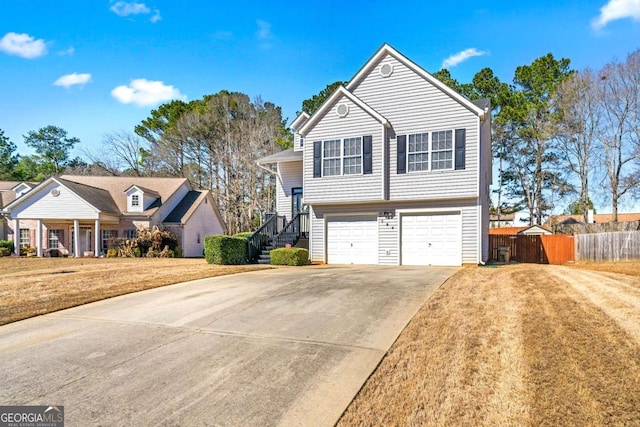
x=517 y=345
x=33 y=286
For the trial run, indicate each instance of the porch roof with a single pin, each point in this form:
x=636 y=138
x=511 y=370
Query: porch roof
x=282 y=156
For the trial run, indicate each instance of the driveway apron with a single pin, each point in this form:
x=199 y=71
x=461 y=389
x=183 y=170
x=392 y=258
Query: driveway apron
x=288 y=346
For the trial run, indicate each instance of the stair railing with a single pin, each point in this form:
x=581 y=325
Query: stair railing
x=298 y=227
x=261 y=238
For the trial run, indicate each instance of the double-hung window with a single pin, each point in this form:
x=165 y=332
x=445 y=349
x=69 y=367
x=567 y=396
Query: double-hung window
x=418 y=152
x=342 y=157
x=331 y=159
x=352 y=155
x=25 y=237
x=135 y=200
x=441 y=150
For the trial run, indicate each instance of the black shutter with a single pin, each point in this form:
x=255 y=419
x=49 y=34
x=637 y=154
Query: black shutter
x=317 y=159
x=402 y=153
x=460 y=148
x=367 y=157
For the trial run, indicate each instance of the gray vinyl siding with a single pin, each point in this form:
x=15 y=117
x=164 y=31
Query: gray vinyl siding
x=389 y=230
x=345 y=188
x=289 y=176
x=413 y=105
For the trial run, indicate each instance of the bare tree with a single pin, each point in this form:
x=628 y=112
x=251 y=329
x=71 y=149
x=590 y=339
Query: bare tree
x=619 y=126
x=576 y=128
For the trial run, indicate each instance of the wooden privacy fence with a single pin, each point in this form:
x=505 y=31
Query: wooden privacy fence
x=552 y=249
x=617 y=246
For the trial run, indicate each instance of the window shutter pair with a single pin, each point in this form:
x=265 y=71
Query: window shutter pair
x=459 y=151
x=367 y=156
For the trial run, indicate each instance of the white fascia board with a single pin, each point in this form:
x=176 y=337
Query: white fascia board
x=324 y=109
x=302 y=117
x=386 y=49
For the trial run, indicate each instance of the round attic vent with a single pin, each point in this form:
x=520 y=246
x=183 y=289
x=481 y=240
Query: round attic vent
x=386 y=70
x=342 y=110
x=55 y=192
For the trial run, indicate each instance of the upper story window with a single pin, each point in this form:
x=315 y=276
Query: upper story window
x=135 y=200
x=342 y=157
x=301 y=142
x=418 y=152
x=441 y=150
x=331 y=159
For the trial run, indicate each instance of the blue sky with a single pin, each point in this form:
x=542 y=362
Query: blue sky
x=94 y=67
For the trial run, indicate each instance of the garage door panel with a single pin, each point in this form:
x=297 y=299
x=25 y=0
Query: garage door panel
x=431 y=239
x=352 y=240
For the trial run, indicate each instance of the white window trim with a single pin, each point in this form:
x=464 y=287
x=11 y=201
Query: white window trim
x=135 y=200
x=430 y=152
x=342 y=157
x=50 y=234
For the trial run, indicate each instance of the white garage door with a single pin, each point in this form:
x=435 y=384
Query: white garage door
x=352 y=240
x=432 y=239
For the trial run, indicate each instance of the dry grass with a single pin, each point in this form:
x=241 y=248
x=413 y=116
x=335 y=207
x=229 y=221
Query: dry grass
x=630 y=268
x=517 y=345
x=33 y=286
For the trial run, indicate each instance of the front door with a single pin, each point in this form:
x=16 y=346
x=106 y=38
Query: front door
x=84 y=243
x=296 y=201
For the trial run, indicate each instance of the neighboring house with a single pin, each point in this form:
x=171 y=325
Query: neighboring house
x=533 y=230
x=9 y=191
x=97 y=208
x=514 y=219
x=394 y=168
x=592 y=218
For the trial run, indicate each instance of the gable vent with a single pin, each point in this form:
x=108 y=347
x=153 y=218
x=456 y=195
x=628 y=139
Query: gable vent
x=386 y=69
x=342 y=110
x=55 y=192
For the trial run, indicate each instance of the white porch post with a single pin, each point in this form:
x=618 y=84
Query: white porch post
x=96 y=248
x=76 y=239
x=16 y=237
x=39 y=237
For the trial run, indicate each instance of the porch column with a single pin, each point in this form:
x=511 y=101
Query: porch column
x=39 y=237
x=96 y=247
x=76 y=238
x=16 y=237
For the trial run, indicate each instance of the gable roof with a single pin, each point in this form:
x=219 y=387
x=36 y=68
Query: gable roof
x=188 y=205
x=116 y=186
x=299 y=121
x=385 y=50
x=326 y=106
x=144 y=190
x=96 y=197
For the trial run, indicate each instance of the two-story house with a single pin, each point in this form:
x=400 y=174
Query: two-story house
x=77 y=215
x=394 y=169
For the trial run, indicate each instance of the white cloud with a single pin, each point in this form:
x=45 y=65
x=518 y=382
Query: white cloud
x=459 y=57
x=67 y=52
x=617 y=9
x=123 y=8
x=22 y=45
x=264 y=29
x=156 y=16
x=143 y=92
x=73 y=79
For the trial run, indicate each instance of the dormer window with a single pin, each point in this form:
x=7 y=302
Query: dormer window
x=135 y=200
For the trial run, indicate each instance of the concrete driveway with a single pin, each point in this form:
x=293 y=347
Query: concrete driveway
x=288 y=346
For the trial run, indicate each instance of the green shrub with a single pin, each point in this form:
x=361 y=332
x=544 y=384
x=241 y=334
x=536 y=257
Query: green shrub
x=136 y=252
x=4 y=252
x=244 y=235
x=178 y=253
x=289 y=256
x=7 y=244
x=225 y=250
x=112 y=253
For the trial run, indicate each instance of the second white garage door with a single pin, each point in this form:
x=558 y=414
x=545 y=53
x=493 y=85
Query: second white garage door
x=432 y=239
x=352 y=240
